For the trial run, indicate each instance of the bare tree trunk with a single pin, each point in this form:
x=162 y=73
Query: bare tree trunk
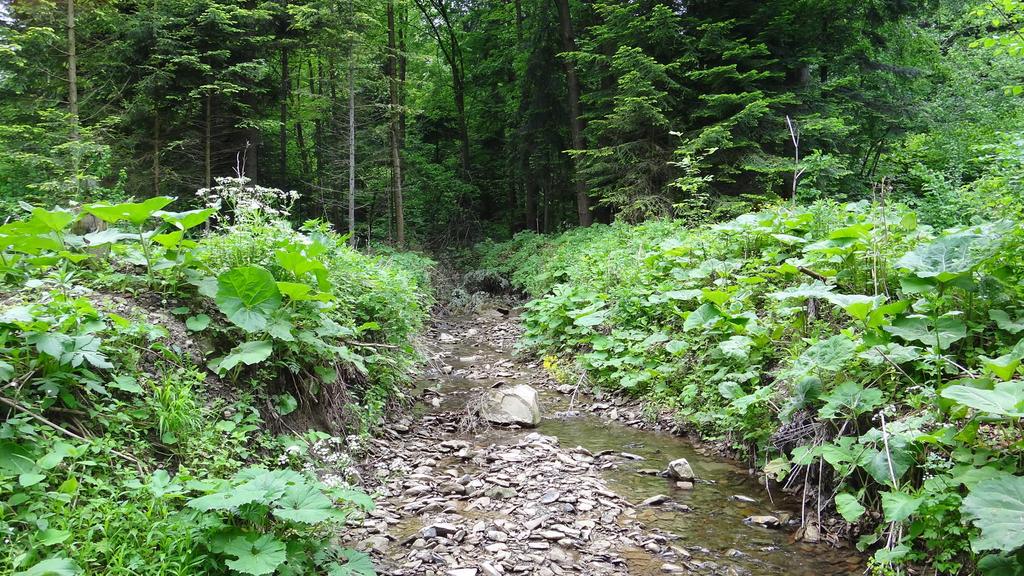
x=208 y=144
x=286 y=88
x=351 y=149
x=73 y=92
x=395 y=128
x=156 y=152
x=575 y=120
x=531 y=204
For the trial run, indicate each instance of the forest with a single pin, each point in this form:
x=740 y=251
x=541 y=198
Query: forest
x=495 y=287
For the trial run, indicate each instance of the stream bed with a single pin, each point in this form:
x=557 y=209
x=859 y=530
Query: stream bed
x=460 y=499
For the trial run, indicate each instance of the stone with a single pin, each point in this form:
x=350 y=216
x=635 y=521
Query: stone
x=763 y=520
x=672 y=568
x=684 y=485
x=656 y=500
x=742 y=498
x=680 y=469
x=488 y=569
x=462 y=572
x=515 y=405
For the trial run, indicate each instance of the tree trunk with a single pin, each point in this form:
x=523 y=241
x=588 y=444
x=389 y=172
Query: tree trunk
x=531 y=204
x=282 y=136
x=208 y=142
x=351 y=149
x=73 y=92
x=156 y=152
x=575 y=120
x=395 y=127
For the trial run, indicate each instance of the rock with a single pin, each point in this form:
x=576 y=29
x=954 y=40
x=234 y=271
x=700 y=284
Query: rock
x=742 y=498
x=440 y=529
x=656 y=500
x=515 y=405
x=672 y=568
x=684 y=485
x=764 y=520
x=550 y=496
x=680 y=470
x=462 y=572
x=488 y=569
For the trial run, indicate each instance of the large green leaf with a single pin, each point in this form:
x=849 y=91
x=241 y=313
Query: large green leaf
x=304 y=503
x=355 y=564
x=187 y=220
x=830 y=355
x=227 y=498
x=133 y=212
x=704 y=317
x=849 y=507
x=1005 y=399
x=898 y=506
x=946 y=331
x=52 y=567
x=997 y=507
x=247 y=353
x=255 y=554
x=1000 y=565
x=950 y=256
x=850 y=399
x=248 y=295
x=1004 y=322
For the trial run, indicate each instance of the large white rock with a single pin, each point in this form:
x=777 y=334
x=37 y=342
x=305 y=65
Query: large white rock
x=515 y=405
x=680 y=470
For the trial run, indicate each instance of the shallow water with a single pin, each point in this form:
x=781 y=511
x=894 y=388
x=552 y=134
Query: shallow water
x=712 y=531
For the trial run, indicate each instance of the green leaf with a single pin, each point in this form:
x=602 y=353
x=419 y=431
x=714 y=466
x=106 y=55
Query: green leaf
x=296 y=290
x=947 y=330
x=247 y=353
x=229 y=498
x=187 y=220
x=30 y=479
x=255 y=554
x=248 y=295
x=1003 y=367
x=830 y=355
x=1000 y=565
x=52 y=537
x=736 y=347
x=950 y=256
x=52 y=567
x=304 y=503
x=356 y=564
x=197 y=323
x=16 y=458
x=52 y=220
x=1004 y=322
x=133 y=212
x=812 y=290
x=1003 y=400
x=849 y=507
x=285 y=404
x=850 y=399
x=127 y=384
x=731 y=390
x=997 y=508
x=704 y=317
x=898 y=506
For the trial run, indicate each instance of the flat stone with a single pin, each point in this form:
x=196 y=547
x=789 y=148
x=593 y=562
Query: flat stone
x=656 y=500
x=763 y=520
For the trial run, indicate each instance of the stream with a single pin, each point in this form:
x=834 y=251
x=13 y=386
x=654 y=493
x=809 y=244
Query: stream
x=459 y=498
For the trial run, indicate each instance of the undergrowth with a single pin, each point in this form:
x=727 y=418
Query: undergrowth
x=850 y=351
x=148 y=361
